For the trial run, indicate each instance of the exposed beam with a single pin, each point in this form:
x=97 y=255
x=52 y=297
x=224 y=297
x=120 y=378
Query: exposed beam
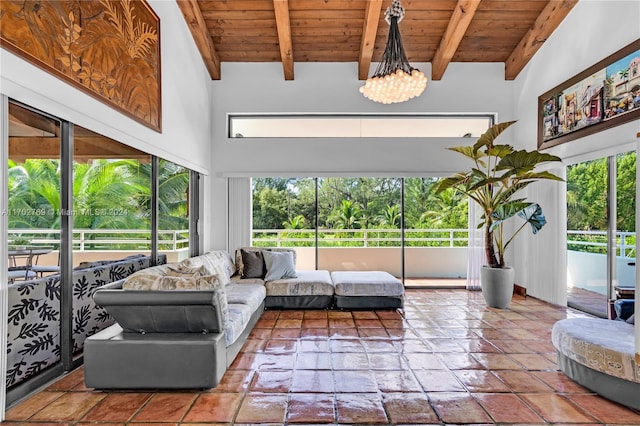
x=457 y=27
x=193 y=15
x=369 y=33
x=546 y=23
x=281 y=7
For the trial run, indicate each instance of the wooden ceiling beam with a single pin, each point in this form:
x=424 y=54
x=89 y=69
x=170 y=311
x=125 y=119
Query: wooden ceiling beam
x=195 y=21
x=546 y=23
x=456 y=29
x=283 y=24
x=369 y=33
x=84 y=148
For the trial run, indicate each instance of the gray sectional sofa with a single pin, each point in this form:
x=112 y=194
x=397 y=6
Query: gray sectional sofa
x=34 y=315
x=181 y=325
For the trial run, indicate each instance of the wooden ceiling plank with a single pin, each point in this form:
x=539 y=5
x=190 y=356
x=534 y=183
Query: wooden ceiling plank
x=283 y=23
x=369 y=33
x=199 y=31
x=458 y=24
x=546 y=23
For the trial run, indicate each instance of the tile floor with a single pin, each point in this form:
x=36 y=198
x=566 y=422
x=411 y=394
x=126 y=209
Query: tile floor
x=447 y=359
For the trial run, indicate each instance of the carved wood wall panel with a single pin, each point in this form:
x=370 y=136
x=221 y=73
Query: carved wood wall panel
x=108 y=48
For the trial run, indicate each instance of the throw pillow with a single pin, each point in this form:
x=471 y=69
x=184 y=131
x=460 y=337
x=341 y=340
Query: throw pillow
x=253 y=264
x=632 y=319
x=279 y=265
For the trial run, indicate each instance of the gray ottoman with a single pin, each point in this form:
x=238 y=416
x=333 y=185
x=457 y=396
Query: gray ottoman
x=309 y=290
x=367 y=290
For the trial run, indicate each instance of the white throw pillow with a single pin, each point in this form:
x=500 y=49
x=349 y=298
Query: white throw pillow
x=279 y=265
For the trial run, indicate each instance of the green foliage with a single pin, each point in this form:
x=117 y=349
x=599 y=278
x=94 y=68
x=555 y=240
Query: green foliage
x=498 y=174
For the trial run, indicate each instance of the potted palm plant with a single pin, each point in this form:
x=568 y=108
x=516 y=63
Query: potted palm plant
x=498 y=174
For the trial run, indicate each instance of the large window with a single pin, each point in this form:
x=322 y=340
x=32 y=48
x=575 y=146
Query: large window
x=360 y=225
x=77 y=197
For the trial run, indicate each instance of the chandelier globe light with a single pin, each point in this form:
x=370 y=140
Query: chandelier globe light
x=394 y=80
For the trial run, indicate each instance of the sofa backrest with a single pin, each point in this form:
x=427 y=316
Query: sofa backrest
x=34 y=315
x=238 y=254
x=217 y=262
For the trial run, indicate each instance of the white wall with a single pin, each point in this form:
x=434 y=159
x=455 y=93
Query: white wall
x=186 y=98
x=585 y=37
x=333 y=88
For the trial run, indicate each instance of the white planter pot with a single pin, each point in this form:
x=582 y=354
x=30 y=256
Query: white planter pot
x=497 y=286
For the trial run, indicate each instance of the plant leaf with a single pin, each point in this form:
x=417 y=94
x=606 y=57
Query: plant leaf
x=534 y=216
x=487 y=138
x=506 y=211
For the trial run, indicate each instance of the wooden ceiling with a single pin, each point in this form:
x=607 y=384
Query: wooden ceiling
x=435 y=31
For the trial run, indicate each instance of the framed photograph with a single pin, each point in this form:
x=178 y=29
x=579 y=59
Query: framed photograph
x=604 y=95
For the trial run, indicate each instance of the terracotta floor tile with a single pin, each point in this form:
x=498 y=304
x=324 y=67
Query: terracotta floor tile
x=313 y=345
x=291 y=314
x=556 y=408
x=315 y=314
x=559 y=382
x=69 y=381
x=286 y=333
x=311 y=408
x=535 y=362
x=166 y=407
x=312 y=381
x=313 y=361
x=372 y=332
x=31 y=405
x=605 y=410
x=254 y=345
x=424 y=362
x=360 y=408
x=315 y=323
x=507 y=408
x=288 y=323
x=368 y=323
x=341 y=323
x=280 y=346
x=346 y=345
x=481 y=381
x=461 y=362
x=339 y=333
x=214 y=407
x=262 y=409
x=477 y=346
x=234 y=381
x=522 y=381
x=117 y=407
x=349 y=361
x=70 y=406
x=272 y=381
x=397 y=381
x=387 y=361
x=409 y=408
x=492 y=361
x=438 y=381
x=445 y=345
x=458 y=407
x=357 y=381
x=274 y=362
x=310 y=333
x=414 y=346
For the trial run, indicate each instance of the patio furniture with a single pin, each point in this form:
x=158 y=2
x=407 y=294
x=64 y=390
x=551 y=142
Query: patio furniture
x=41 y=270
x=20 y=264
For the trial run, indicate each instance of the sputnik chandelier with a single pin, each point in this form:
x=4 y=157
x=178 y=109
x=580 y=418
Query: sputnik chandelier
x=394 y=80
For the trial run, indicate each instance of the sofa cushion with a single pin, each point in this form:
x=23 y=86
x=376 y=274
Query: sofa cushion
x=279 y=265
x=238 y=317
x=246 y=294
x=366 y=283
x=632 y=319
x=307 y=283
x=252 y=264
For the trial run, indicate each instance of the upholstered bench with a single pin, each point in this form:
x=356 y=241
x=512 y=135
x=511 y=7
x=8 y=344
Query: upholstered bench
x=367 y=290
x=600 y=355
x=309 y=290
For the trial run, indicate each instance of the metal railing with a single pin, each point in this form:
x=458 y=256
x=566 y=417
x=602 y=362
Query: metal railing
x=360 y=237
x=596 y=242
x=106 y=239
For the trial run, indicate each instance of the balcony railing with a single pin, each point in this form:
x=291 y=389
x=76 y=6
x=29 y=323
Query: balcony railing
x=106 y=239
x=596 y=242
x=360 y=237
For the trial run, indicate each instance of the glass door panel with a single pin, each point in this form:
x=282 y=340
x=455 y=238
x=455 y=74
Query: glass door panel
x=436 y=227
x=173 y=210
x=626 y=222
x=284 y=215
x=359 y=222
x=33 y=240
x=587 y=252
